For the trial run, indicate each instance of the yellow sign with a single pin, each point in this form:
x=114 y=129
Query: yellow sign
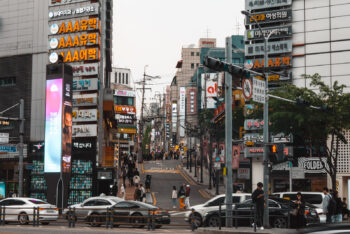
x=78 y=40
x=185 y=148
x=79 y=26
x=127 y=130
x=80 y=55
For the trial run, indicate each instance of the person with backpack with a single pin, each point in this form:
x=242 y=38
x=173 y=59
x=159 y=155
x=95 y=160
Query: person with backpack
x=338 y=216
x=328 y=205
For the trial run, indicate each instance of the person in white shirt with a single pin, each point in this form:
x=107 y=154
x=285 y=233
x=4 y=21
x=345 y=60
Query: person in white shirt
x=143 y=193
x=122 y=191
x=174 y=197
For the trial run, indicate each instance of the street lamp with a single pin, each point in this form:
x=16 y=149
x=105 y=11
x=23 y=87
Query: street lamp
x=266 y=120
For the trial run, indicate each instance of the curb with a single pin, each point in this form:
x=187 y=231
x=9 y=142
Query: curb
x=186 y=176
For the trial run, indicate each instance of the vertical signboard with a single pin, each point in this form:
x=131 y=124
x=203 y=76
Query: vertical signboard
x=209 y=90
x=53 y=123
x=182 y=111
x=174 y=115
x=67 y=119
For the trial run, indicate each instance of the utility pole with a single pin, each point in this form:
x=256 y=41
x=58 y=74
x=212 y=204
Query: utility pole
x=228 y=134
x=140 y=153
x=21 y=146
x=203 y=130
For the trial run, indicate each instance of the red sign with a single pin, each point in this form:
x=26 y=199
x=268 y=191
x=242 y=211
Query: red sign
x=235 y=157
x=125 y=109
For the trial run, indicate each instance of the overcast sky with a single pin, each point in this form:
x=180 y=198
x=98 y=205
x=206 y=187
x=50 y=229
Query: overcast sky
x=152 y=32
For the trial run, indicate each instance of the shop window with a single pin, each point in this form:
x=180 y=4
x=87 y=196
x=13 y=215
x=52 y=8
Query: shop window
x=192 y=65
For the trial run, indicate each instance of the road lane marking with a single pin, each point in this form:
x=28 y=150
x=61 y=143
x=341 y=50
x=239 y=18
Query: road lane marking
x=186 y=177
x=204 y=194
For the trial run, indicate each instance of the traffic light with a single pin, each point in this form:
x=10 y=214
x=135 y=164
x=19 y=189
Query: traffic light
x=238 y=71
x=214 y=64
x=276 y=153
x=220 y=66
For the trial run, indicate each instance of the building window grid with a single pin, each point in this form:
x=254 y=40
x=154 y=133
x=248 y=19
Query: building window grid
x=343 y=157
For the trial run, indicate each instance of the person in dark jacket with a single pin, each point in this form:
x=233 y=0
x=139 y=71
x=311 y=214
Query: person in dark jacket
x=345 y=209
x=300 y=212
x=338 y=216
x=181 y=196
x=259 y=201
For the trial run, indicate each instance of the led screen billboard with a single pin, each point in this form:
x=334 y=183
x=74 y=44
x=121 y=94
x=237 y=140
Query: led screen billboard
x=53 y=126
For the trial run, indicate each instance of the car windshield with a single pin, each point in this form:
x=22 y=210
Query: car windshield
x=37 y=202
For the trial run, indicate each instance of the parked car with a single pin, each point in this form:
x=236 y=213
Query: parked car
x=314 y=198
x=21 y=209
x=91 y=209
x=136 y=213
x=278 y=208
x=212 y=205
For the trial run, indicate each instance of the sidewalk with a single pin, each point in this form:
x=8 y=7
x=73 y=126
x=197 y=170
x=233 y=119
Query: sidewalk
x=244 y=230
x=190 y=178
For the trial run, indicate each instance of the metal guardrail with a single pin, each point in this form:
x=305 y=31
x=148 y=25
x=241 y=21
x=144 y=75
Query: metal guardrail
x=99 y=217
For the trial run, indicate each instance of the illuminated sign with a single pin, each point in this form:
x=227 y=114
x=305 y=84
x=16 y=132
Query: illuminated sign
x=85 y=100
x=260 y=4
x=277 y=62
x=253 y=152
x=85 y=84
x=77 y=55
x=253 y=124
x=274 y=47
x=127 y=130
x=192 y=100
x=275 y=32
x=125 y=109
x=63 y=2
x=270 y=16
x=6 y=125
x=68 y=41
x=86 y=130
x=53 y=125
x=84 y=115
x=85 y=69
x=86 y=145
x=276 y=77
x=124 y=93
x=74 y=12
x=76 y=26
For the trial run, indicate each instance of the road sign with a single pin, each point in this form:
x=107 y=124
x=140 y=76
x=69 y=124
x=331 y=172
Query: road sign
x=4 y=138
x=298 y=173
x=247 y=89
x=8 y=148
x=258 y=90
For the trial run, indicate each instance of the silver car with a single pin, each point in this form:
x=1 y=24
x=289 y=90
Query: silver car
x=20 y=209
x=92 y=209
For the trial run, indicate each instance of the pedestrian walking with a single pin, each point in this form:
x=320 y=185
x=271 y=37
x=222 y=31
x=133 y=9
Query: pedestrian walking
x=174 y=197
x=124 y=175
x=122 y=191
x=345 y=209
x=328 y=205
x=130 y=176
x=181 y=195
x=259 y=201
x=136 y=180
x=187 y=196
x=137 y=194
x=338 y=216
x=299 y=212
x=143 y=193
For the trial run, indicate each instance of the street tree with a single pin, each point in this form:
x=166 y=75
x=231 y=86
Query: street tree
x=321 y=129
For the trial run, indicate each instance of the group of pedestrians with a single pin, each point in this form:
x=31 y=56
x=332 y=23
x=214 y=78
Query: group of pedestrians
x=333 y=207
x=182 y=195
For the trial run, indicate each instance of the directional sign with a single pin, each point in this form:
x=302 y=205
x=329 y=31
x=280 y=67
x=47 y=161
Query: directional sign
x=247 y=89
x=8 y=148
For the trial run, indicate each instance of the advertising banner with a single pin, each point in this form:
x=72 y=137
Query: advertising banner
x=53 y=125
x=274 y=47
x=124 y=93
x=191 y=101
x=174 y=116
x=84 y=145
x=85 y=115
x=85 y=100
x=67 y=125
x=85 y=69
x=86 y=130
x=182 y=110
x=253 y=152
x=73 y=12
x=235 y=156
x=253 y=124
x=77 y=40
x=276 y=62
x=270 y=16
x=168 y=113
x=64 y=2
x=243 y=173
x=85 y=84
x=261 y=4
x=275 y=32
x=125 y=119
x=209 y=83
x=75 y=55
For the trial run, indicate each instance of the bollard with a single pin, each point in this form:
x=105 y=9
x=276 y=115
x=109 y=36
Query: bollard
x=0 y=215
x=288 y=224
x=107 y=225
x=37 y=218
x=74 y=217
x=34 y=216
x=149 y=220
x=112 y=217
x=69 y=217
x=220 y=216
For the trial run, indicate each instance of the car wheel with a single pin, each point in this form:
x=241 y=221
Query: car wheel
x=197 y=219
x=214 y=221
x=95 y=220
x=280 y=223
x=137 y=219
x=23 y=218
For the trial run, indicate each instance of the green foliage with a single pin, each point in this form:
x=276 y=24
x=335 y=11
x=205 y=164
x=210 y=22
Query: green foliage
x=146 y=140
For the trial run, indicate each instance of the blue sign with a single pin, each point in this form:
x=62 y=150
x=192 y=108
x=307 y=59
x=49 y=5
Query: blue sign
x=2 y=190
x=8 y=148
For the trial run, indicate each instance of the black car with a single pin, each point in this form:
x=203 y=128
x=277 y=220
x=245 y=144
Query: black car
x=136 y=214
x=279 y=210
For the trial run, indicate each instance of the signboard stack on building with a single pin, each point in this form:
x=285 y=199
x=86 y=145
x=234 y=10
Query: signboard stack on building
x=74 y=34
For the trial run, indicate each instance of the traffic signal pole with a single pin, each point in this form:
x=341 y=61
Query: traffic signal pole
x=228 y=134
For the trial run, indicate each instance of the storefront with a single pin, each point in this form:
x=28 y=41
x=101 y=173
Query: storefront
x=313 y=180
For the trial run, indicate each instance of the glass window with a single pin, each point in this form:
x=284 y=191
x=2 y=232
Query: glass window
x=18 y=203
x=115 y=77
x=38 y=202
x=120 y=78
x=90 y=203
x=5 y=202
x=192 y=65
x=126 y=78
x=123 y=78
x=122 y=205
x=125 y=101
x=217 y=202
x=192 y=53
x=273 y=204
x=197 y=53
x=102 y=203
x=197 y=65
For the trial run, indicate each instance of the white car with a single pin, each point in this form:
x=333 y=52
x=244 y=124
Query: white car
x=92 y=208
x=21 y=209
x=313 y=198
x=213 y=204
